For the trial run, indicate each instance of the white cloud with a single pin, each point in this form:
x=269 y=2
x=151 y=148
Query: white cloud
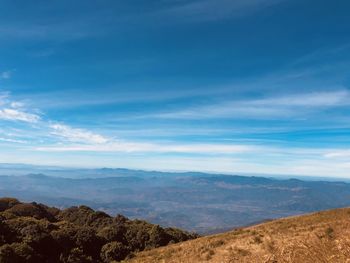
x=16 y=105
x=18 y=115
x=343 y=153
x=145 y=147
x=60 y=140
x=76 y=135
x=15 y=110
x=312 y=99
x=12 y=140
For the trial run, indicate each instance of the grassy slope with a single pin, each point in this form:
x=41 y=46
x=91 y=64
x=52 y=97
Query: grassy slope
x=318 y=237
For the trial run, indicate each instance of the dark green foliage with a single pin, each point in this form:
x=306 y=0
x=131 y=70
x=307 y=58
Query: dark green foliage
x=114 y=251
x=157 y=237
x=31 y=232
x=114 y=232
x=17 y=253
x=85 y=216
x=38 y=211
x=87 y=240
x=65 y=237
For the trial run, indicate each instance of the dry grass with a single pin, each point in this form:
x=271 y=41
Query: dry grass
x=319 y=237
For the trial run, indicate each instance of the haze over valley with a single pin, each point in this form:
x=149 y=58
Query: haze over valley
x=200 y=202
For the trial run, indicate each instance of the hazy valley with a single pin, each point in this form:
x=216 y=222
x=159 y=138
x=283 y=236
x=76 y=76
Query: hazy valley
x=204 y=203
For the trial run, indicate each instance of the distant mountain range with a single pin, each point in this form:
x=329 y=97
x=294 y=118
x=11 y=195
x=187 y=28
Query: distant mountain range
x=204 y=203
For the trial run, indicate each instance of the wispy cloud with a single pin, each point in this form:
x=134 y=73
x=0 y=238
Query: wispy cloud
x=228 y=156
x=294 y=105
x=75 y=98
x=12 y=140
x=340 y=153
x=17 y=115
x=76 y=135
x=145 y=147
x=15 y=111
x=310 y=100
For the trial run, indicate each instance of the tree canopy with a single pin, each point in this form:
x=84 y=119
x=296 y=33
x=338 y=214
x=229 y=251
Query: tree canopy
x=31 y=232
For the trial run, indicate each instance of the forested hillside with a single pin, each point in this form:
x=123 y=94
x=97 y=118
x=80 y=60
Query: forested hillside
x=34 y=233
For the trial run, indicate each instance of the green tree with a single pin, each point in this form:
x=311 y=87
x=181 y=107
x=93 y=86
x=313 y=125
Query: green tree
x=114 y=251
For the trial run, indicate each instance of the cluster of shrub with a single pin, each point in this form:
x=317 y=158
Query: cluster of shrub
x=32 y=232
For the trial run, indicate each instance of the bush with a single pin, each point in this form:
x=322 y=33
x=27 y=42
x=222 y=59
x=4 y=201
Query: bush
x=65 y=237
x=39 y=238
x=17 y=253
x=87 y=240
x=157 y=237
x=85 y=216
x=32 y=210
x=114 y=251
x=115 y=232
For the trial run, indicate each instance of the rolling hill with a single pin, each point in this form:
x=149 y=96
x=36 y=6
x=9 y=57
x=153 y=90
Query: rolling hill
x=319 y=237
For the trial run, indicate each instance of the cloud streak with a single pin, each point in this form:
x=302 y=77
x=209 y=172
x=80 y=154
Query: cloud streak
x=18 y=115
x=76 y=135
x=145 y=147
x=15 y=111
x=299 y=105
x=63 y=140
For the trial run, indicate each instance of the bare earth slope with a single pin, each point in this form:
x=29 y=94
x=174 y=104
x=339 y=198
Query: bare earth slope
x=318 y=237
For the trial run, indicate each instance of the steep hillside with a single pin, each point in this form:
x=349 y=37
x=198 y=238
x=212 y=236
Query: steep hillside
x=319 y=237
x=35 y=233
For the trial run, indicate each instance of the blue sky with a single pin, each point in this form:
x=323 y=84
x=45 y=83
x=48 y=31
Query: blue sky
x=256 y=86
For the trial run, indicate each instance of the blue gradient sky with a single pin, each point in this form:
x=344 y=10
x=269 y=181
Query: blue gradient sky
x=257 y=86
